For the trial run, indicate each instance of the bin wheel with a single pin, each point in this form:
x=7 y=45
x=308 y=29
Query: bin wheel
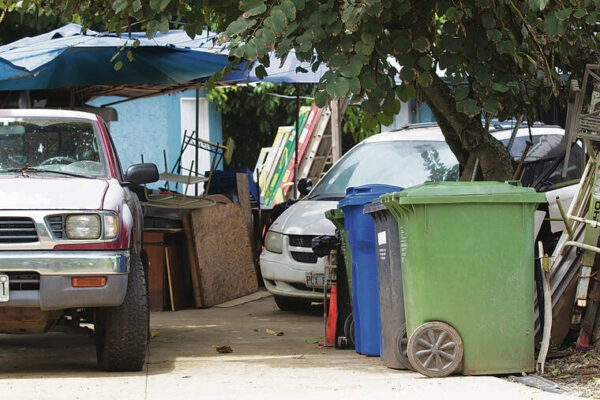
x=435 y=349
x=349 y=328
x=401 y=346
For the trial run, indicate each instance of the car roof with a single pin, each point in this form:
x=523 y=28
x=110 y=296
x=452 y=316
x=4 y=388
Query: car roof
x=46 y=113
x=432 y=132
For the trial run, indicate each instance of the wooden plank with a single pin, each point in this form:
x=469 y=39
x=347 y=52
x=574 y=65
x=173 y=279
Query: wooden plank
x=225 y=265
x=153 y=244
x=176 y=277
x=193 y=259
x=243 y=194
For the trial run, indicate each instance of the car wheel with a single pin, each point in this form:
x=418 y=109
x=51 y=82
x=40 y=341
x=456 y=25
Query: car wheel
x=292 y=303
x=122 y=332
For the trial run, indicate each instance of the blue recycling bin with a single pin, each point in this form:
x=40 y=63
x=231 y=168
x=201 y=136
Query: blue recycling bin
x=365 y=285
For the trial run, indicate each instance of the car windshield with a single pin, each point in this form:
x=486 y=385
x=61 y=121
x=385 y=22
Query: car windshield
x=400 y=163
x=51 y=147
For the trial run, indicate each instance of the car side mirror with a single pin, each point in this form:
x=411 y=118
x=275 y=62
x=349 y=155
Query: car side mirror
x=139 y=174
x=304 y=186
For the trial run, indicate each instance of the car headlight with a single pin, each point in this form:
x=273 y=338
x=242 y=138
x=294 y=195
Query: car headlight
x=274 y=242
x=83 y=226
x=111 y=226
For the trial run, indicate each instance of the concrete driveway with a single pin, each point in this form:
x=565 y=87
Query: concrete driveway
x=184 y=364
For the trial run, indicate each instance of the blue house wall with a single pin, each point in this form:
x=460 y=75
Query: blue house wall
x=149 y=126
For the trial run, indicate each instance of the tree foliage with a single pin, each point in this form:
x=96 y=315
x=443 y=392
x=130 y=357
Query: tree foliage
x=251 y=116
x=498 y=58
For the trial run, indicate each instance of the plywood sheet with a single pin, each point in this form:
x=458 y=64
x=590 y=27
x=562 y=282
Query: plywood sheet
x=153 y=244
x=225 y=263
x=193 y=259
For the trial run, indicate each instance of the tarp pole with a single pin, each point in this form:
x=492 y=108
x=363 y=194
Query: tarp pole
x=197 y=136
x=298 y=87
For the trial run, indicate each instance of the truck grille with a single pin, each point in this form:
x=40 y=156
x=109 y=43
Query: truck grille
x=24 y=281
x=301 y=240
x=17 y=230
x=309 y=258
x=57 y=225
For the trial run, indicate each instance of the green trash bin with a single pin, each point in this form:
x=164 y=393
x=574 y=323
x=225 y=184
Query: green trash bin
x=344 y=275
x=467 y=256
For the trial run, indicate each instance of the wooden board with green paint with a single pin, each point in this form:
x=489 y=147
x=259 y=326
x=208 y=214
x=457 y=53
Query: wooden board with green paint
x=284 y=159
x=273 y=157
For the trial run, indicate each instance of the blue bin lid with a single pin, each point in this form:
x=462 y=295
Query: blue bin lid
x=361 y=195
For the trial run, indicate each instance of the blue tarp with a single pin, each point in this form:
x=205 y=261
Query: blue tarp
x=66 y=57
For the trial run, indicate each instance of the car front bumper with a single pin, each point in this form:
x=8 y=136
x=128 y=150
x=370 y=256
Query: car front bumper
x=56 y=270
x=284 y=276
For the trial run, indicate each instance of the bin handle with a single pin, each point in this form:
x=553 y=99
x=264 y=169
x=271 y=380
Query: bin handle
x=514 y=182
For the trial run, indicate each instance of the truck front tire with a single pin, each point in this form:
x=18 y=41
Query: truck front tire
x=122 y=332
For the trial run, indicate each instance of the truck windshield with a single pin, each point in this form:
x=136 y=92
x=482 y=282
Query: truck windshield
x=401 y=163
x=49 y=146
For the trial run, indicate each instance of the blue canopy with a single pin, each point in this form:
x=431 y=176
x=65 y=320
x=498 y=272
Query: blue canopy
x=66 y=57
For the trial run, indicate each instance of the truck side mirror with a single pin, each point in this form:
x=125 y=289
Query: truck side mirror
x=139 y=174
x=304 y=186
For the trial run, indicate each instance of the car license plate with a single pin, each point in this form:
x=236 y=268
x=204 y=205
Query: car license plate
x=315 y=280
x=4 y=286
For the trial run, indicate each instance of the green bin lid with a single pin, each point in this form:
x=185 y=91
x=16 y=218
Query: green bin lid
x=465 y=192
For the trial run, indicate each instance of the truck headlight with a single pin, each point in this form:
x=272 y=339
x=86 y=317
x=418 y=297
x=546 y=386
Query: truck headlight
x=83 y=226
x=274 y=242
x=111 y=226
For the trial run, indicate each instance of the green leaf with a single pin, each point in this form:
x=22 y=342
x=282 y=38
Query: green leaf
x=321 y=98
x=118 y=65
x=421 y=44
x=551 y=24
x=580 y=13
x=342 y=85
x=120 y=5
x=260 y=71
x=289 y=9
x=424 y=79
x=337 y=60
x=163 y=26
x=151 y=28
x=491 y=106
x=354 y=85
x=425 y=62
x=391 y=107
x=538 y=4
x=247 y=5
x=255 y=11
x=137 y=5
x=405 y=92
x=159 y=5
x=130 y=56
x=505 y=46
x=278 y=21
x=300 y=4
x=370 y=106
x=563 y=14
x=450 y=43
x=499 y=87
x=407 y=74
x=469 y=107
x=239 y=26
x=461 y=92
x=367 y=81
x=488 y=22
x=494 y=35
x=451 y=13
x=250 y=50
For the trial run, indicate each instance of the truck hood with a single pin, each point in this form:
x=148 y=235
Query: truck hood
x=49 y=193
x=306 y=217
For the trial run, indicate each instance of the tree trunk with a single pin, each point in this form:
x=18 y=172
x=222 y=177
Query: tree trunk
x=466 y=135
